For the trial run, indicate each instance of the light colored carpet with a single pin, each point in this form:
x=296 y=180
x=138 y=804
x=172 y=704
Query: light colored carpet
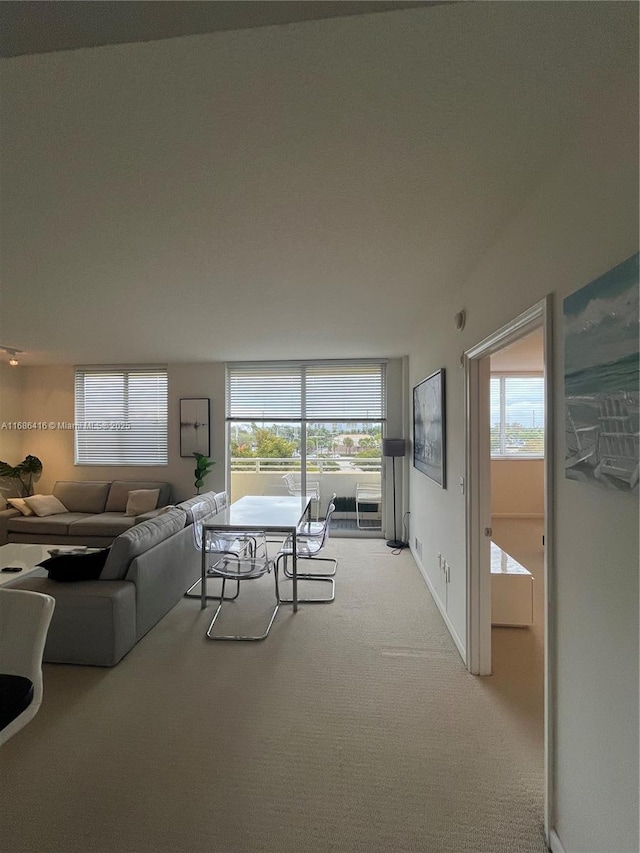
x=354 y=727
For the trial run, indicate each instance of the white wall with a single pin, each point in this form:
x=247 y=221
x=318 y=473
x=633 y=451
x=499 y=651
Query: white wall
x=580 y=221
x=517 y=487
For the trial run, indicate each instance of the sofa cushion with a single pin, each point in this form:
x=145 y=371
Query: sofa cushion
x=44 y=505
x=141 y=537
x=82 y=497
x=76 y=567
x=103 y=524
x=21 y=505
x=142 y=500
x=119 y=493
x=51 y=524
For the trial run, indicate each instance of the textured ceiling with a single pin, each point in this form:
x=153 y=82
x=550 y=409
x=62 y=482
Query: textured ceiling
x=42 y=27
x=296 y=191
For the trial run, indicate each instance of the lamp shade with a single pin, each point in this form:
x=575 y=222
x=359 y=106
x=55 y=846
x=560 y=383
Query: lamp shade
x=394 y=446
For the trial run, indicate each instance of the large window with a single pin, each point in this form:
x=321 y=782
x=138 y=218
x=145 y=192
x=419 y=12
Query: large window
x=320 y=421
x=306 y=391
x=121 y=416
x=517 y=415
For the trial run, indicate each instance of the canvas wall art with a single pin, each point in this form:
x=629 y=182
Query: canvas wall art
x=429 y=427
x=602 y=380
x=194 y=426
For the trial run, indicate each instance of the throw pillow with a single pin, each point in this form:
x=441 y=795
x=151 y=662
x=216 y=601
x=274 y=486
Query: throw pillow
x=76 y=567
x=142 y=500
x=44 y=505
x=19 y=504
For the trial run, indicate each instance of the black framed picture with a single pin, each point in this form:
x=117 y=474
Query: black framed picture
x=429 y=427
x=194 y=426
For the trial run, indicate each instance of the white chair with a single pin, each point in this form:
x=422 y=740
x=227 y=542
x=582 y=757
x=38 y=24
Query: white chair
x=24 y=622
x=295 y=488
x=230 y=565
x=308 y=548
x=367 y=493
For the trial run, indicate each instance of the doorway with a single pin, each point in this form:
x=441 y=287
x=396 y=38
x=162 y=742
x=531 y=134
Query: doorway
x=512 y=442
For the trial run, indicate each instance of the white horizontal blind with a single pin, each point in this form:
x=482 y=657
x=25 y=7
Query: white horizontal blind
x=311 y=391
x=269 y=391
x=344 y=392
x=121 y=416
x=517 y=415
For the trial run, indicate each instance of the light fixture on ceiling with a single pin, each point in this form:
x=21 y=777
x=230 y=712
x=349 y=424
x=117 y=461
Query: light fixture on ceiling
x=11 y=352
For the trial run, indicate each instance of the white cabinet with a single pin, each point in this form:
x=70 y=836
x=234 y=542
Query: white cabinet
x=511 y=590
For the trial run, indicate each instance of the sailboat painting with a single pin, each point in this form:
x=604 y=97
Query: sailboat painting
x=602 y=380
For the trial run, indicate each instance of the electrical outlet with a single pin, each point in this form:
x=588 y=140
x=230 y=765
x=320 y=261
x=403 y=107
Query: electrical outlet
x=418 y=545
x=439 y=561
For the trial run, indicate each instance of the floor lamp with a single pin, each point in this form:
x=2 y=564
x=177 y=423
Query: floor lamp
x=394 y=447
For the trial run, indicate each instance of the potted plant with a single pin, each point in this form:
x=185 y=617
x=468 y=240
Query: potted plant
x=26 y=472
x=203 y=466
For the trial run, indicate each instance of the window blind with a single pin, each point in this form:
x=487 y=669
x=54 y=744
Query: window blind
x=312 y=391
x=517 y=415
x=121 y=416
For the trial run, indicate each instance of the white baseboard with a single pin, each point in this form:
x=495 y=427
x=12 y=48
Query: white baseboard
x=454 y=634
x=517 y=515
x=555 y=845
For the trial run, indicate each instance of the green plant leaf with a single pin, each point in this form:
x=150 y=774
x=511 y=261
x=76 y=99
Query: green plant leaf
x=203 y=465
x=27 y=472
x=7 y=470
x=31 y=465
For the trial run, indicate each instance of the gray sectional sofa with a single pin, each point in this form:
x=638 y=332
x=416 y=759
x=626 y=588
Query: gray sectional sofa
x=95 y=514
x=148 y=569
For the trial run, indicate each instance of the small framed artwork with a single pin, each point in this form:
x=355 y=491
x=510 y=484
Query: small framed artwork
x=429 y=427
x=194 y=426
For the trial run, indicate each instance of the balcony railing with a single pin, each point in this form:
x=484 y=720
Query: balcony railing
x=264 y=476
x=321 y=464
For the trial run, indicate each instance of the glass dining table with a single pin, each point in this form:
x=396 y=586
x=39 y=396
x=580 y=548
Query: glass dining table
x=275 y=514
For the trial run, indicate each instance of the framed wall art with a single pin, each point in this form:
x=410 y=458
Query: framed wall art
x=602 y=380
x=429 y=427
x=194 y=426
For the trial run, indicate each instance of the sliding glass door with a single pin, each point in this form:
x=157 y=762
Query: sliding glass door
x=309 y=427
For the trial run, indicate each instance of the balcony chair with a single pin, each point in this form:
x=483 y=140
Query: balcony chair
x=308 y=548
x=367 y=493
x=250 y=564
x=295 y=488
x=25 y=617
